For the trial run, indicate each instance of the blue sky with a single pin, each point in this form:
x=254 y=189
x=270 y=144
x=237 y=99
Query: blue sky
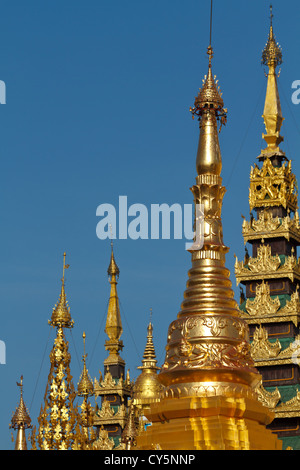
x=98 y=97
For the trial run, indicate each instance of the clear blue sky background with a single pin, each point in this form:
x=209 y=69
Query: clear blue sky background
x=98 y=97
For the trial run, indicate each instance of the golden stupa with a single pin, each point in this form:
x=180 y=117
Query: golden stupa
x=205 y=394
x=209 y=399
x=147 y=387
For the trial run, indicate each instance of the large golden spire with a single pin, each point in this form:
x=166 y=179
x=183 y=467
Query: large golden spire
x=208 y=401
x=272 y=57
x=113 y=327
x=59 y=417
x=208 y=342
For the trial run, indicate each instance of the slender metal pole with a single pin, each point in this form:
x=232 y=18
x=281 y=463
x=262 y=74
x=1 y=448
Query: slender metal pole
x=210 y=32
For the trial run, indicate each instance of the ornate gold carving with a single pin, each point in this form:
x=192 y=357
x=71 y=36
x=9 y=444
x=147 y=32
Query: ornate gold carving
x=266 y=266
x=292 y=352
x=261 y=347
x=273 y=186
x=210 y=196
x=264 y=309
x=103 y=442
x=212 y=355
x=204 y=389
x=110 y=386
x=264 y=261
x=106 y=411
x=59 y=416
x=267 y=226
x=292 y=306
x=107 y=415
x=272 y=53
x=207 y=327
x=209 y=95
x=269 y=399
x=289 y=355
x=290 y=408
x=262 y=304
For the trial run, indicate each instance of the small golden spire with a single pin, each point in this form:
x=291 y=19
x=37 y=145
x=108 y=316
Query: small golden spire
x=21 y=420
x=272 y=57
x=85 y=386
x=149 y=359
x=147 y=387
x=113 y=269
x=61 y=316
x=130 y=432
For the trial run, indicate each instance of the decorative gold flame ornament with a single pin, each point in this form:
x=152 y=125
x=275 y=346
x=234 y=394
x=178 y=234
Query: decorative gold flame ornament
x=208 y=401
x=273 y=186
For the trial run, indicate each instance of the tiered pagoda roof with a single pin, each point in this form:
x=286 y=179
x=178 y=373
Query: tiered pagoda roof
x=271 y=275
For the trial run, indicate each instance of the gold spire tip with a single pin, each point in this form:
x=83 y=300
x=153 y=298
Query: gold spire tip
x=113 y=269
x=65 y=266
x=272 y=53
x=61 y=316
x=209 y=98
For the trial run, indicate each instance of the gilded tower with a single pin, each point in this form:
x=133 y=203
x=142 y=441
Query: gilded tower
x=114 y=388
x=59 y=420
x=271 y=275
x=208 y=400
